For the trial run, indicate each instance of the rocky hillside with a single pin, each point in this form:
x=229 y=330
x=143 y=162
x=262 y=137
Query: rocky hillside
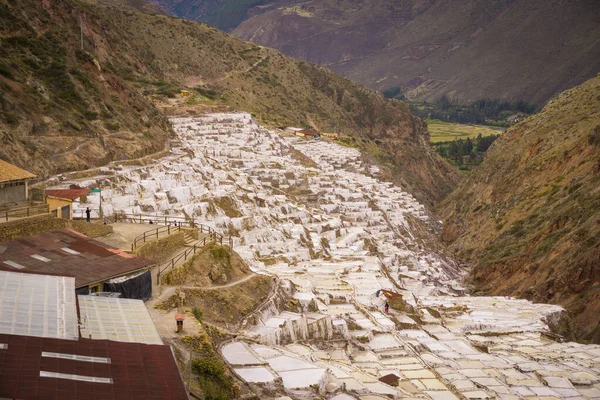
x=80 y=81
x=528 y=218
x=510 y=49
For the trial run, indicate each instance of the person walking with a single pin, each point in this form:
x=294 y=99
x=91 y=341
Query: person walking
x=88 y=214
x=386 y=308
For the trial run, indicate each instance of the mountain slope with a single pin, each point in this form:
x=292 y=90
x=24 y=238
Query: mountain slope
x=528 y=218
x=65 y=108
x=510 y=49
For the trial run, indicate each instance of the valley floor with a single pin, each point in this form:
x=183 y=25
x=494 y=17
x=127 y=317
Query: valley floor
x=314 y=215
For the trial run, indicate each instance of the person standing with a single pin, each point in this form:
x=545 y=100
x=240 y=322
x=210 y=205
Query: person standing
x=88 y=214
x=386 y=307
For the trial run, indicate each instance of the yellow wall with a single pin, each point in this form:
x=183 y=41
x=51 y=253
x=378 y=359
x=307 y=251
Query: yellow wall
x=56 y=203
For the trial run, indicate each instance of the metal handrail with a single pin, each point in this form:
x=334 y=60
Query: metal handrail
x=177 y=221
x=151 y=233
x=192 y=250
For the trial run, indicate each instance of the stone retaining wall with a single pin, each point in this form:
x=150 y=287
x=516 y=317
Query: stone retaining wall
x=30 y=226
x=93 y=229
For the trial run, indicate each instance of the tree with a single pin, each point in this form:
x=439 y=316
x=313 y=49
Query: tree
x=467 y=147
x=453 y=151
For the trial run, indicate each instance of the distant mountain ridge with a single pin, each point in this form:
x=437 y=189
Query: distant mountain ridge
x=508 y=49
x=86 y=82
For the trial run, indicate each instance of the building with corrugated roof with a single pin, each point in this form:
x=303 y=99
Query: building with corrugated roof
x=95 y=266
x=60 y=201
x=46 y=368
x=13 y=183
x=53 y=347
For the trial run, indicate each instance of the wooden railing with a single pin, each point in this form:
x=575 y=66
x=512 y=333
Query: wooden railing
x=173 y=222
x=25 y=212
x=153 y=233
x=188 y=253
x=152 y=219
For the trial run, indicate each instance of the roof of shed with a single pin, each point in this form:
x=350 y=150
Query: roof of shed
x=9 y=172
x=68 y=253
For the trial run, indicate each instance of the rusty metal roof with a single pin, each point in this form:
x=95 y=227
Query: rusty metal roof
x=69 y=194
x=9 y=172
x=68 y=253
x=35 y=368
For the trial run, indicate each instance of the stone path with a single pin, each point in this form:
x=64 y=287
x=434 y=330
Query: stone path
x=340 y=234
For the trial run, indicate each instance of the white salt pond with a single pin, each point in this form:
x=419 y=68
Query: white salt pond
x=314 y=214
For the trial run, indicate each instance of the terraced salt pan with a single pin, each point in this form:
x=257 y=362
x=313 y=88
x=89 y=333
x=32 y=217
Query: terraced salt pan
x=340 y=234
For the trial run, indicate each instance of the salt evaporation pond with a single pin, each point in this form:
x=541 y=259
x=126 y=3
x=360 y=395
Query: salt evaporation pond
x=314 y=214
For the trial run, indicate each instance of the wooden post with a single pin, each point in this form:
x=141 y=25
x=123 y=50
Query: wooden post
x=156 y=233
x=168 y=229
x=132 y=247
x=28 y=211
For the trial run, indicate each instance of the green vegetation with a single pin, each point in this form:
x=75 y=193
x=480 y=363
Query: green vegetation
x=461 y=145
x=208 y=93
x=221 y=253
x=44 y=57
x=197 y=313
x=493 y=112
x=441 y=131
x=213 y=379
x=394 y=93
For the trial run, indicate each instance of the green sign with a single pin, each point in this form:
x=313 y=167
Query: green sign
x=95 y=190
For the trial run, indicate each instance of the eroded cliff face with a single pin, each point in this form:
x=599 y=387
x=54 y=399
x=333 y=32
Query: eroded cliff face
x=80 y=82
x=529 y=217
x=65 y=103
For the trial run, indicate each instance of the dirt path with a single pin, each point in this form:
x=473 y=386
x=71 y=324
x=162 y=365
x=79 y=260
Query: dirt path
x=227 y=75
x=76 y=149
x=230 y=284
x=165 y=321
x=168 y=291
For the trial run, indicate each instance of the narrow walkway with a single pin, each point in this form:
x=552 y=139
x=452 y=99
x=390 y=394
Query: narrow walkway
x=180 y=258
x=125 y=233
x=234 y=283
x=165 y=321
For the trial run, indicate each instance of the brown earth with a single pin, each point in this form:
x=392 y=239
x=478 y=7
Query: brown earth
x=227 y=305
x=213 y=265
x=528 y=217
x=63 y=108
